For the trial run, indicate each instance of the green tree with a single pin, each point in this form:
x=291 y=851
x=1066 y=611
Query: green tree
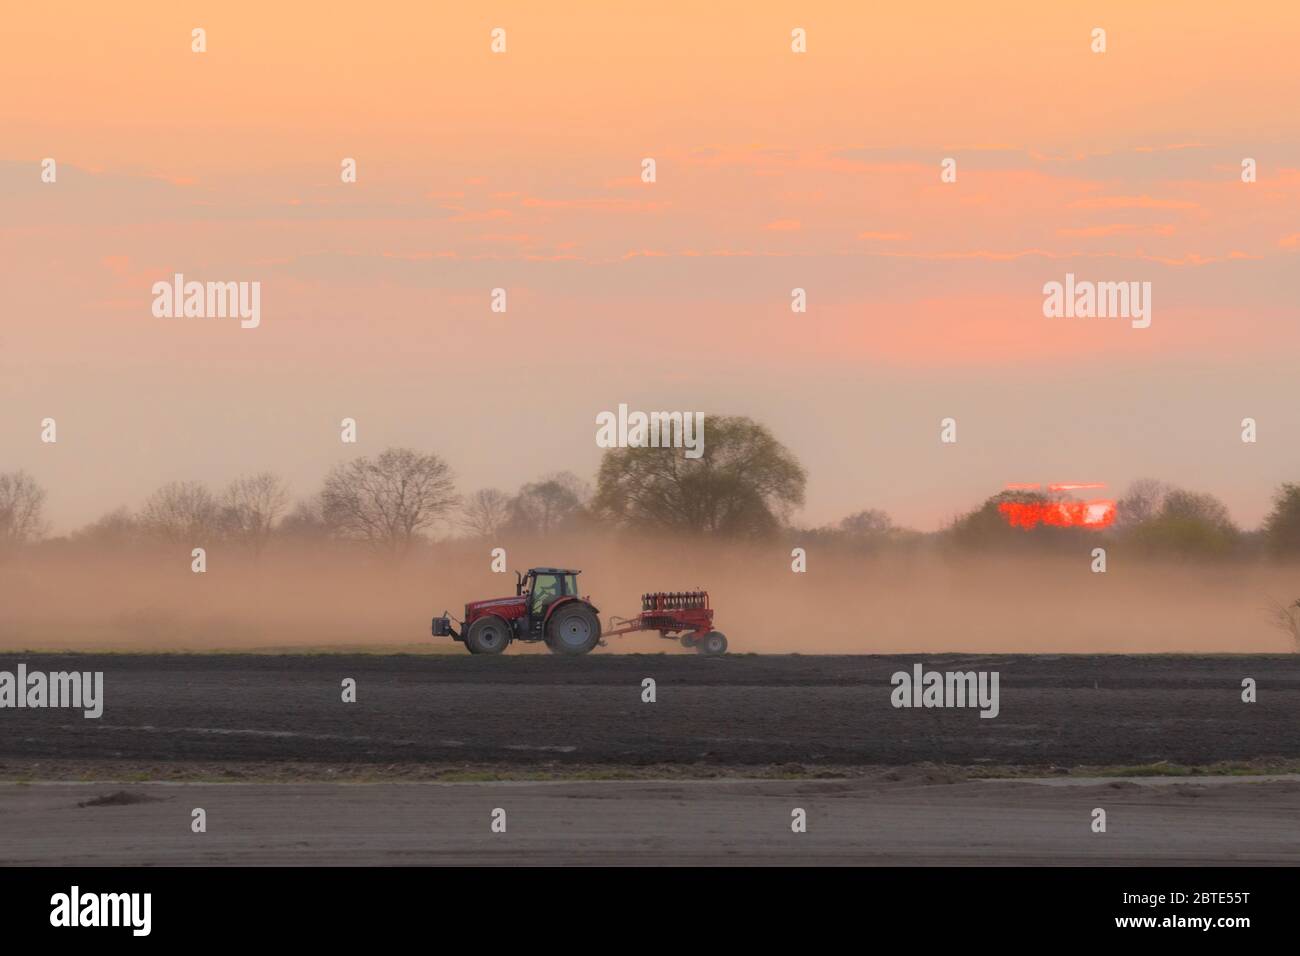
x=744 y=485
x=1282 y=526
x=870 y=524
x=1189 y=524
x=990 y=525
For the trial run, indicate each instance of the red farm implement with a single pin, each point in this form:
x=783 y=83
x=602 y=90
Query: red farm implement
x=676 y=615
x=547 y=607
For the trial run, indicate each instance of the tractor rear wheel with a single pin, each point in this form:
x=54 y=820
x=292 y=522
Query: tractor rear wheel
x=713 y=644
x=573 y=629
x=488 y=635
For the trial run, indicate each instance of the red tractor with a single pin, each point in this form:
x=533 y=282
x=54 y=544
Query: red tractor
x=547 y=607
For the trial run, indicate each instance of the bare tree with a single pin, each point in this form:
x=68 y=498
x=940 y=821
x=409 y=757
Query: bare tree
x=306 y=521
x=486 y=512
x=22 y=508
x=387 y=501
x=251 y=505
x=1287 y=618
x=543 y=506
x=1141 y=502
x=182 y=512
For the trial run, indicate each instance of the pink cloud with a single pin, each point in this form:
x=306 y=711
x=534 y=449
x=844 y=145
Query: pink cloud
x=482 y=215
x=1117 y=229
x=1132 y=202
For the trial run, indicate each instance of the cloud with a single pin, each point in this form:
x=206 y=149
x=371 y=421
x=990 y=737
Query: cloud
x=601 y=205
x=518 y=238
x=1132 y=202
x=1117 y=229
x=481 y=215
x=1170 y=147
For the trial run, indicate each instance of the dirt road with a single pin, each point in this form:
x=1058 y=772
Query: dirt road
x=1226 y=820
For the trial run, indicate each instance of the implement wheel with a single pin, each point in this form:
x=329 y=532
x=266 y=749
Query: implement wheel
x=713 y=644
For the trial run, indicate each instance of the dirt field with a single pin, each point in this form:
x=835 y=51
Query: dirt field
x=525 y=713
x=1231 y=820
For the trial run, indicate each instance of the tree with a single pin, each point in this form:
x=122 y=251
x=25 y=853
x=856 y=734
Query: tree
x=116 y=528
x=1282 y=526
x=745 y=484
x=1196 y=506
x=1141 y=502
x=545 y=505
x=1286 y=617
x=250 y=507
x=1191 y=524
x=182 y=512
x=22 y=510
x=863 y=532
x=388 y=501
x=485 y=512
x=994 y=523
x=871 y=523
x=306 y=521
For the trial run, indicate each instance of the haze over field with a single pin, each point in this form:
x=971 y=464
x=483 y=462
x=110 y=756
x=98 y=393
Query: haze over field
x=917 y=602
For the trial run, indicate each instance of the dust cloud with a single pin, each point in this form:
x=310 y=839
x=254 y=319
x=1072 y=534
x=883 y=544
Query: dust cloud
x=328 y=597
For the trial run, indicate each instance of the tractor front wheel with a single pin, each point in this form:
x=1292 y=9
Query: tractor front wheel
x=573 y=629
x=713 y=644
x=488 y=635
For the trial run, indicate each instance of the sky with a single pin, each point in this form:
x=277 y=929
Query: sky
x=774 y=170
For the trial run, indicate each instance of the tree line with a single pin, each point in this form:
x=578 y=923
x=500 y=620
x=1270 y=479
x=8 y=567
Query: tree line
x=745 y=486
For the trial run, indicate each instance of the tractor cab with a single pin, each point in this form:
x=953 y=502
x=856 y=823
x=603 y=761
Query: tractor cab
x=542 y=587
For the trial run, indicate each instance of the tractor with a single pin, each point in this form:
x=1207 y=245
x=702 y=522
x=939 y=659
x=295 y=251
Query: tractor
x=547 y=607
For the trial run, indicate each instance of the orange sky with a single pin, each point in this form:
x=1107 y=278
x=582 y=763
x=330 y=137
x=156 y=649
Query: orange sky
x=775 y=170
